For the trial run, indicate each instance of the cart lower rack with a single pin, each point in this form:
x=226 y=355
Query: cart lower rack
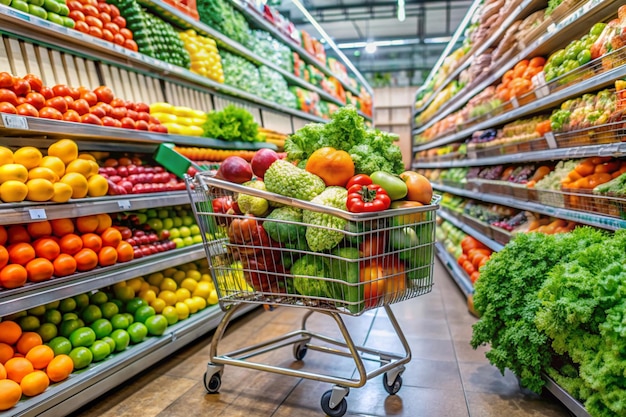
x=301 y=254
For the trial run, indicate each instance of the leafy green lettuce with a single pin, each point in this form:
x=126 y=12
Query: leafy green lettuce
x=231 y=124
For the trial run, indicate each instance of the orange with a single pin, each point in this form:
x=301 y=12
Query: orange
x=62 y=227
x=78 y=182
x=64 y=149
x=10 y=394
x=125 y=252
x=86 y=260
x=64 y=265
x=17 y=233
x=34 y=383
x=6 y=353
x=60 y=368
x=39 y=269
x=62 y=192
x=28 y=156
x=27 y=341
x=81 y=166
x=87 y=224
x=53 y=163
x=107 y=256
x=13 y=276
x=92 y=241
x=18 y=368
x=111 y=237
x=40 y=356
x=3 y=235
x=46 y=248
x=3 y=372
x=21 y=253
x=104 y=222
x=10 y=332
x=4 y=256
x=39 y=229
x=71 y=244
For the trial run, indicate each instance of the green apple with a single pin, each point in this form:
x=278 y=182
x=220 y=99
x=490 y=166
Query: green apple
x=174 y=233
x=142 y=218
x=197 y=238
x=184 y=231
x=20 y=5
x=168 y=223
x=188 y=241
x=151 y=213
x=5 y=2
x=179 y=242
x=163 y=213
x=178 y=221
x=155 y=223
x=188 y=220
x=194 y=229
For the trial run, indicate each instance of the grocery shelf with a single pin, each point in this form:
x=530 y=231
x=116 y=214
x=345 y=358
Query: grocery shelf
x=28 y=212
x=490 y=243
x=616 y=150
x=459 y=276
x=572 y=404
x=557 y=34
x=36 y=294
x=592 y=219
x=27 y=26
x=86 y=385
x=260 y=22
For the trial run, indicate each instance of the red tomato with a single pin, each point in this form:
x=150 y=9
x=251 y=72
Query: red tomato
x=105 y=17
x=80 y=106
x=35 y=82
x=75 y=5
x=131 y=44
x=47 y=93
x=71 y=116
x=374 y=244
x=126 y=33
x=142 y=125
x=61 y=90
x=131 y=113
x=104 y=7
x=91 y=119
x=7 y=108
x=107 y=35
x=58 y=103
x=69 y=101
x=115 y=12
x=8 y=96
x=130 y=105
x=373 y=283
x=51 y=113
x=113 y=27
x=90 y=10
x=142 y=115
x=90 y=97
x=81 y=27
x=109 y=121
x=104 y=94
x=98 y=111
x=27 y=110
x=6 y=80
x=118 y=39
x=142 y=107
x=119 y=113
x=21 y=87
x=77 y=16
x=128 y=123
x=119 y=21
x=95 y=31
x=94 y=21
x=118 y=102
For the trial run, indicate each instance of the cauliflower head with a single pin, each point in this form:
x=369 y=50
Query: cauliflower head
x=325 y=231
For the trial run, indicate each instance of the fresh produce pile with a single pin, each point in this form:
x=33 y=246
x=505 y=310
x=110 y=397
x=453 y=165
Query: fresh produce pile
x=55 y=11
x=203 y=54
x=586 y=111
x=266 y=46
x=475 y=255
x=307 y=101
x=25 y=174
x=212 y=155
x=273 y=87
x=45 y=344
x=518 y=81
x=231 y=124
x=179 y=120
x=611 y=39
x=554 y=304
x=222 y=16
x=240 y=73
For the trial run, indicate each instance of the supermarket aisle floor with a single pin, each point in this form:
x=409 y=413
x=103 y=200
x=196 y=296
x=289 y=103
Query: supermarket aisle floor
x=445 y=378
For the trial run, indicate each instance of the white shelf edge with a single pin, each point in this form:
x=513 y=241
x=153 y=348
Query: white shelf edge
x=490 y=243
x=455 y=271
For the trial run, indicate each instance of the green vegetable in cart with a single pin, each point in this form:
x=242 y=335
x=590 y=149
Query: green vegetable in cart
x=394 y=186
x=289 y=231
x=346 y=270
x=306 y=272
x=249 y=204
x=320 y=235
x=286 y=179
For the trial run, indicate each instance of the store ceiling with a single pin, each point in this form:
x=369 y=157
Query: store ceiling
x=418 y=41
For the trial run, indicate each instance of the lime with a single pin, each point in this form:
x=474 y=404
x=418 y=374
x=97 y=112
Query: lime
x=109 y=341
x=169 y=312
x=82 y=301
x=60 y=345
x=134 y=304
x=102 y=328
x=119 y=321
x=29 y=323
x=100 y=350
x=83 y=336
x=67 y=305
x=99 y=297
x=81 y=356
x=52 y=316
x=20 y=5
x=137 y=332
x=156 y=324
x=143 y=313
x=130 y=317
x=37 y=311
x=118 y=303
x=91 y=313
x=121 y=339
x=67 y=21
x=69 y=316
x=47 y=331
x=109 y=309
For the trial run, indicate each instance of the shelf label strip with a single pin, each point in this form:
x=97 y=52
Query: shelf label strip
x=11 y=121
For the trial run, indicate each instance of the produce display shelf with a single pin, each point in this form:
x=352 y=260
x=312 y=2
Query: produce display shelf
x=36 y=294
x=572 y=404
x=558 y=34
x=27 y=212
x=27 y=26
x=617 y=149
x=260 y=22
x=86 y=385
x=521 y=10
x=459 y=276
x=490 y=243
x=592 y=219
x=171 y=13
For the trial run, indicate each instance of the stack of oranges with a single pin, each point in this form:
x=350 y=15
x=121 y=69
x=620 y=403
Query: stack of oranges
x=27 y=366
x=38 y=251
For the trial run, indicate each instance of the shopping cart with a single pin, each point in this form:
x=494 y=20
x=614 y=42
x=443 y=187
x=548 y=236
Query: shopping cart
x=378 y=259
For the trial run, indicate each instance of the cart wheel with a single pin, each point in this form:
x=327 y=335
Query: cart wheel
x=393 y=388
x=213 y=383
x=300 y=350
x=338 y=411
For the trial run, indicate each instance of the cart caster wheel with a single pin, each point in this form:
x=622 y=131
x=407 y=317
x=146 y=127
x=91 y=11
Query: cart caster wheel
x=393 y=388
x=338 y=411
x=213 y=383
x=300 y=350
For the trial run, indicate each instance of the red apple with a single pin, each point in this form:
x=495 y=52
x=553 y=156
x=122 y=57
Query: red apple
x=262 y=160
x=235 y=169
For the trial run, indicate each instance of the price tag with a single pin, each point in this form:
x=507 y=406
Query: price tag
x=514 y=102
x=550 y=139
x=19 y=15
x=37 y=214
x=124 y=204
x=540 y=85
x=11 y=121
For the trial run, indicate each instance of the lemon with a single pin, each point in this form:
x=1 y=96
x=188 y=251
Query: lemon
x=78 y=182
x=97 y=186
x=39 y=190
x=6 y=156
x=12 y=191
x=43 y=173
x=62 y=192
x=13 y=172
x=54 y=163
x=28 y=156
x=64 y=149
x=82 y=166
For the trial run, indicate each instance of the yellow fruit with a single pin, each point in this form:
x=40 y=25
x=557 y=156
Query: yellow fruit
x=94 y=168
x=78 y=183
x=82 y=166
x=182 y=294
x=135 y=283
x=168 y=284
x=203 y=289
x=65 y=149
x=13 y=172
x=168 y=296
x=62 y=192
x=54 y=163
x=182 y=310
x=212 y=298
x=148 y=295
x=6 y=156
x=87 y=156
x=97 y=186
x=12 y=191
x=189 y=283
x=193 y=307
x=158 y=304
x=44 y=173
x=28 y=156
x=199 y=302
x=39 y=190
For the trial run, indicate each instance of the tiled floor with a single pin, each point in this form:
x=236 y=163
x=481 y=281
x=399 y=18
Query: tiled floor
x=445 y=378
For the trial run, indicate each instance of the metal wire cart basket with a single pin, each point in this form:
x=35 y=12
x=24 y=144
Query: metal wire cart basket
x=362 y=261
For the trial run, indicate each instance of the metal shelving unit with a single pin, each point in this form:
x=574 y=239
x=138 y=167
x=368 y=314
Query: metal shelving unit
x=490 y=243
x=459 y=276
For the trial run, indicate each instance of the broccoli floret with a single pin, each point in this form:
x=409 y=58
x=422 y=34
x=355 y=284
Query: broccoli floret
x=305 y=272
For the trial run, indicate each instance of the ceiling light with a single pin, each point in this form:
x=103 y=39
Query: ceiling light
x=370 y=48
x=401 y=12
